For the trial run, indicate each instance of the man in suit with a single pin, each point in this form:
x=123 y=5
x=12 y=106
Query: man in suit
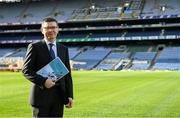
x=48 y=97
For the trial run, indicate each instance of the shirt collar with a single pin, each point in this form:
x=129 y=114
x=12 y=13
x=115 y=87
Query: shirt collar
x=48 y=42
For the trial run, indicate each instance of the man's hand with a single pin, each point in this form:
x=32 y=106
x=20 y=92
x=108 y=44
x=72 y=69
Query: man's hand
x=49 y=83
x=70 y=104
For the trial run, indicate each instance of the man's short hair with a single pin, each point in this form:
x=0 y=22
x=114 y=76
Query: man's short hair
x=49 y=19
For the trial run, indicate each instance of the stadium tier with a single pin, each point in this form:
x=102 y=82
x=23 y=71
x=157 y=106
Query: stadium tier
x=100 y=34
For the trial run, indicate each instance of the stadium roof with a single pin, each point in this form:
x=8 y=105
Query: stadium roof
x=17 y=0
x=10 y=0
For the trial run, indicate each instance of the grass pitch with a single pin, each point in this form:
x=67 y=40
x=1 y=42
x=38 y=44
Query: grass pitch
x=103 y=94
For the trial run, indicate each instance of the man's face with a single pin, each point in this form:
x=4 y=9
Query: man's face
x=50 y=30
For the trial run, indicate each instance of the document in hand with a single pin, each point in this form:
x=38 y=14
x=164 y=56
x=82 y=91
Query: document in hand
x=54 y=70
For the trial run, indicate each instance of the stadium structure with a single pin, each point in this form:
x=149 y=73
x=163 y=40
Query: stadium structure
x=100 y=34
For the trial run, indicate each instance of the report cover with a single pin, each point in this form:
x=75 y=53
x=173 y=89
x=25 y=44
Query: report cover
x=54 y=70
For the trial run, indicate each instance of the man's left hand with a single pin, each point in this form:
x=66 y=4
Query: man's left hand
x=70 y=103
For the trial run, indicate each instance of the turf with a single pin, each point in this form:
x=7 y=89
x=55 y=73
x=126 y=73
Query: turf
x=103 y=94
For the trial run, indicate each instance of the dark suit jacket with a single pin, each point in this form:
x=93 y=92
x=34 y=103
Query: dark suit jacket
x=38 y=56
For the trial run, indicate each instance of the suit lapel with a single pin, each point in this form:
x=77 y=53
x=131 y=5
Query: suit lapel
x=60 y=52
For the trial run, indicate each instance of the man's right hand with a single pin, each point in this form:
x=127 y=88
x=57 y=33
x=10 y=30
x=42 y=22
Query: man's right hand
x=49 y=83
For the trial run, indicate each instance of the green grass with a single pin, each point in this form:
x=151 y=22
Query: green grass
x=103 y=94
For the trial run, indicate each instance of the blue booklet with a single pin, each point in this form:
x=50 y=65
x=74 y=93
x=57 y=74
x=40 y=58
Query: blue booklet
x=54 y=70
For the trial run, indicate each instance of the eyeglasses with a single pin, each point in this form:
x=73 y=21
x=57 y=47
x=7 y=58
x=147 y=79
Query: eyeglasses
x=52 y=27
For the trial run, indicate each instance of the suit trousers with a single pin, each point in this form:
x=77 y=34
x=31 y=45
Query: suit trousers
x=54 y=110
x=53 y=105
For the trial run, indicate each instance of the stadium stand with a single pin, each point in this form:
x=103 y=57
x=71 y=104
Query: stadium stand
x=144 y=56
x=100 y=34
x=160 y=9
x=6 y=51
x=113 y=59
x=169 y=59
x=91 y=58
x=142 y=60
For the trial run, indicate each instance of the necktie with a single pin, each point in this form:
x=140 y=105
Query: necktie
x=51 y=50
